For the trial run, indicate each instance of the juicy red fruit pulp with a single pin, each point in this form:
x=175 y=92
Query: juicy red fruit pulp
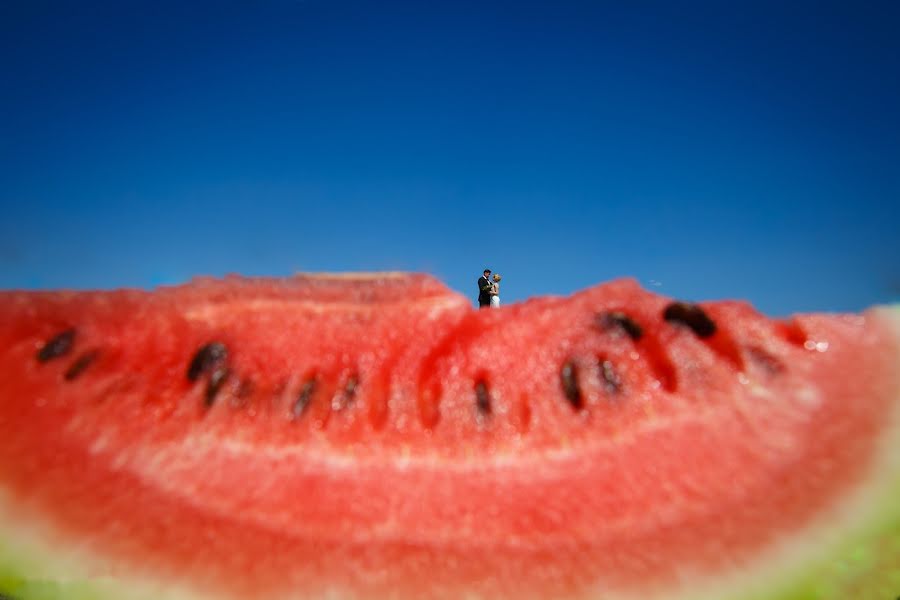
x=257 y=436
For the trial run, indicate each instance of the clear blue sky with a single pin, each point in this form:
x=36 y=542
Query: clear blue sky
x=721 y=149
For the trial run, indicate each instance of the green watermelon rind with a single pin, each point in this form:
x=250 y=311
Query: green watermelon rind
x=857 y=558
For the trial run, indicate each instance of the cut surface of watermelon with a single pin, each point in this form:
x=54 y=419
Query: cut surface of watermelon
x=327 y=437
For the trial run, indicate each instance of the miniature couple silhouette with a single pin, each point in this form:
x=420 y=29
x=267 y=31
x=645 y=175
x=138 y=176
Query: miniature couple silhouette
x=489 y=290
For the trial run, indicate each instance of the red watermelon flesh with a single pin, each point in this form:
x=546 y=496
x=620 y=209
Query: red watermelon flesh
x=325 y=436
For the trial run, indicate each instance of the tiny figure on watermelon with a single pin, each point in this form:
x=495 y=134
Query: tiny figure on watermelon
x=495 y=291
x=484 y=289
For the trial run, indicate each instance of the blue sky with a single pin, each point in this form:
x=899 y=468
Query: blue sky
x=711 y=150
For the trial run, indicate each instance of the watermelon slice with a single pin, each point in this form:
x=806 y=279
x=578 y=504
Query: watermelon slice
x=376 y=436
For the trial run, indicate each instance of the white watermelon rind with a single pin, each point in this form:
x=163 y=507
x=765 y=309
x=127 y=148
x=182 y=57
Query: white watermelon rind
x=853 y=551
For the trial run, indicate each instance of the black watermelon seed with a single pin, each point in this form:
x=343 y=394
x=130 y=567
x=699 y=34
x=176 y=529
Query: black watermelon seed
x=81 y=363
x=242 y=388
x=482 y=398
x=303 y=398
x=692 y=316
x=612 y=383
x=619 y=320
x=207 y=357
x=770 y=364
x=58 y=345
x=345 y=398
x=350 y=388
x=568 y=377
x=216 y=380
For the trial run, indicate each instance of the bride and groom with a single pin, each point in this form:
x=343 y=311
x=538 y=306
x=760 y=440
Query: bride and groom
x=489 y=290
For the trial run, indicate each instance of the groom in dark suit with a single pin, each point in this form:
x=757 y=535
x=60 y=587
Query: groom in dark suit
x=484 y=290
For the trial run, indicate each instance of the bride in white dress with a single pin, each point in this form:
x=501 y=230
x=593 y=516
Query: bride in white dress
x=495 y=291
